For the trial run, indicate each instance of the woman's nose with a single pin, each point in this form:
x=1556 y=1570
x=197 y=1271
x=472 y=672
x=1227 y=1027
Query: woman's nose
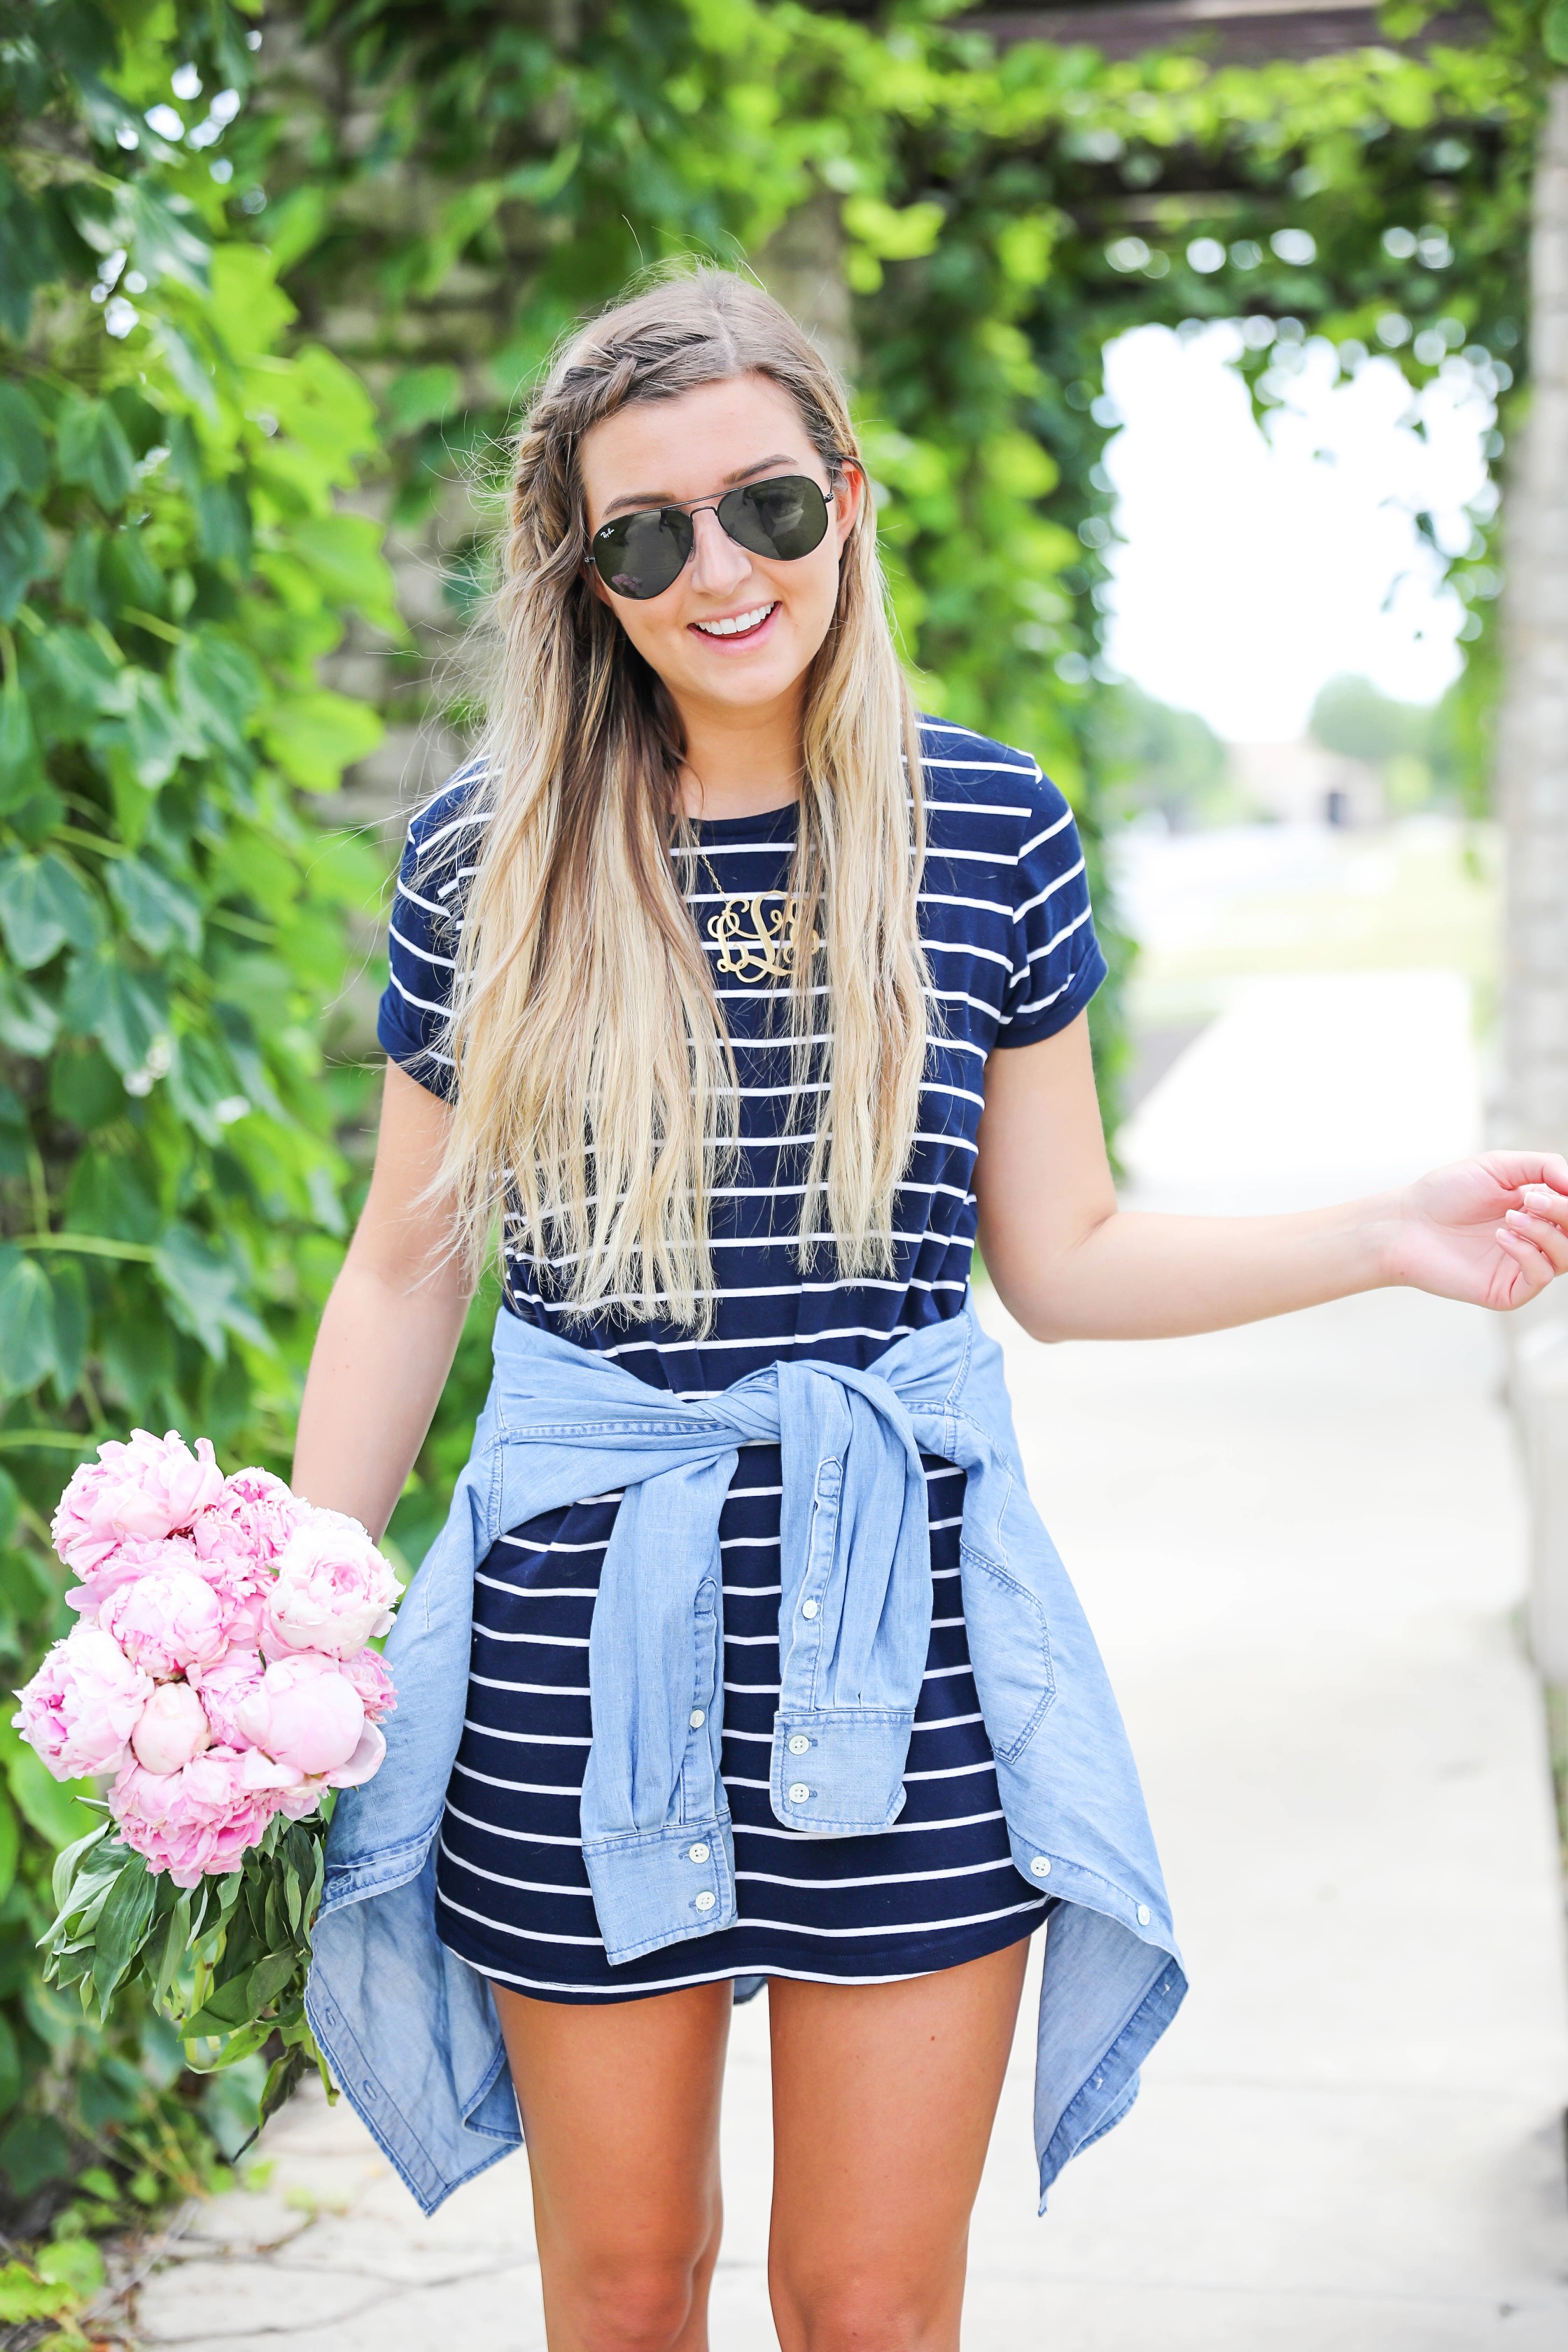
x=717 y=566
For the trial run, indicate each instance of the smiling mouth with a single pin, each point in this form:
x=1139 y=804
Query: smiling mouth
x=738 y=625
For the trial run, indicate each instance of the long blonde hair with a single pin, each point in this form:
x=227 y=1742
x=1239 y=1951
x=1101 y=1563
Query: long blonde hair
x=595 y=1101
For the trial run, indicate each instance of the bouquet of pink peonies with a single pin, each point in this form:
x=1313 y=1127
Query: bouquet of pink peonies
x=220 y=1670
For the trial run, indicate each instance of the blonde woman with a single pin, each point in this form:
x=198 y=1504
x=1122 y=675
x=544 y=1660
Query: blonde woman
x=740 y=998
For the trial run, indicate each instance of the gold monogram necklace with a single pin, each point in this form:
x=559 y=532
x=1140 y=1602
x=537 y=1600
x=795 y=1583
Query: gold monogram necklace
x=755 y=940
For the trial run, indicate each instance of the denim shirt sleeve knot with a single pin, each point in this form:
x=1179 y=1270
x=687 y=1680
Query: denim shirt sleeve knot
x=656 y=1836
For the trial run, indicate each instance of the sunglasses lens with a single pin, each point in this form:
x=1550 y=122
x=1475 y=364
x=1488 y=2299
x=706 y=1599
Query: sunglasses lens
x=640 y=555
x=786 y=518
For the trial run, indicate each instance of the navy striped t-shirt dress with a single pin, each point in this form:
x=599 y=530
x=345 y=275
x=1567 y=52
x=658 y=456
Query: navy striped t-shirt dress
x=1005 y=915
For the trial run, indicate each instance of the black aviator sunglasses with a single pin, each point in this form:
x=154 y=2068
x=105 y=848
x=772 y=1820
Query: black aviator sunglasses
x=641 y=555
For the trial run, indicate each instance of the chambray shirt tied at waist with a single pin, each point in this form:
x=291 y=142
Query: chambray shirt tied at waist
x=411 y=2033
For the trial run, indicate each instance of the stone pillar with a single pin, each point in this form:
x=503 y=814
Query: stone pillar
x=1532 y=776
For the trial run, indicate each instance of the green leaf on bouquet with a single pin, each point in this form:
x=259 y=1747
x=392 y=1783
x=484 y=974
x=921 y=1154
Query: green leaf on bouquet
x=122 y=1926
x=224 y=2011
x=268 y=1978
x=281 y=2077
x=69 y=1864
x=176 y=1944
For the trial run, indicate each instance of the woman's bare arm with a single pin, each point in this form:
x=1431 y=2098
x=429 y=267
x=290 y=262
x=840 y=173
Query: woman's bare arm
x=391 y=1325
x=1071 y=1264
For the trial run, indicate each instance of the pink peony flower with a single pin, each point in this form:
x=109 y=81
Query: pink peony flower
x=81 y=1705
x=167 y=1621
x=242 y=1586
x=304 y=1712
x=149 y=1487
x=333 y=1592
x=203 y=1820
x=251 y=1520
x=367 y=1759
x=137 y=1556
x=371 y=1676
x=233 y=1678
x=170 y=1728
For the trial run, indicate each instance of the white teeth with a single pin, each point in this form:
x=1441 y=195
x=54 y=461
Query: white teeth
x=733 y=628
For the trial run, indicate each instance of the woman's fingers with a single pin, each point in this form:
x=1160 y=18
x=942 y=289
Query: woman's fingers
x=1533 y=1264
x=1549 y=1233
x=1519 y=1169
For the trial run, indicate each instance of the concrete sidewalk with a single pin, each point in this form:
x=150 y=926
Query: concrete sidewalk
x=1300 y=1548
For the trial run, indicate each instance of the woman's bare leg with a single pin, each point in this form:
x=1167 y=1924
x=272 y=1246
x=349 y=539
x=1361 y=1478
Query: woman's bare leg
x=620 y=2110
x=884 y=2097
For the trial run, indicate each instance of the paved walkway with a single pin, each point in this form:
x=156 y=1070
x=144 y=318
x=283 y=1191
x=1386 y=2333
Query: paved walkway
x=1300 y=1546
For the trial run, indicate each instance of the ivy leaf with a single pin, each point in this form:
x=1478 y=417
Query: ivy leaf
x=158 y=232
x=157 y=912
x=28 y=1022
x=80 y=682
x=54 y=1808
x=345 y=553
x=27 y=1323
x=24 y=458
x=218 y=685
x=223 y=523
x=151 y=737
x=107 y=1196
x=314 y=736
x=85 y=1089
x=187 y=367
x=124 y=1010
x=43 y=904
x=202 y=1087
x=21 y=770
x=202 y=1291
x=24 y=553
x=420 y=395
x=93 y=451
x=67 y=1284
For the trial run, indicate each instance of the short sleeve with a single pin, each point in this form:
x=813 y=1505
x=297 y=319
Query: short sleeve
x=422 y=935
x=1056 y=959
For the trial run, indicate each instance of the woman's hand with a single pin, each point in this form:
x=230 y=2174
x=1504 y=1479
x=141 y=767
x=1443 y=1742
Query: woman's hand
x=1492 y=1231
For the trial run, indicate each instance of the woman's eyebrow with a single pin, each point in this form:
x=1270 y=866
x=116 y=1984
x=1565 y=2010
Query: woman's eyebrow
x=636 y=499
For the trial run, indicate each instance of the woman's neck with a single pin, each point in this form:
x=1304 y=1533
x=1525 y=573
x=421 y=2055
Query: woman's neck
x=741 y=762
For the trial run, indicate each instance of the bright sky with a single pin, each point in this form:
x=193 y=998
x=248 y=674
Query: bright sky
x=1254 y=568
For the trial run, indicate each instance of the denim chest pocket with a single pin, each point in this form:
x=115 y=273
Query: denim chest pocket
x=1010 y=1652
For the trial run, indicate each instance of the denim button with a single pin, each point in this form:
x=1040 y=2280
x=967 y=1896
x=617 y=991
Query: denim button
x=1142 y=1915
x=1040 y=1866
x=697 y=1852
x=697 y=1719
x=799 y=1794
x=705 y=1901
x=808 y=1608
x=799 y=1744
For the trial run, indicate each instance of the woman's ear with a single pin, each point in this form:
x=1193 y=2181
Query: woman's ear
x=849 y=495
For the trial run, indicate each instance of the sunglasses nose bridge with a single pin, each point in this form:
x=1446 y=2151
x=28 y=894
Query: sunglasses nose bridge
x=717 y=557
